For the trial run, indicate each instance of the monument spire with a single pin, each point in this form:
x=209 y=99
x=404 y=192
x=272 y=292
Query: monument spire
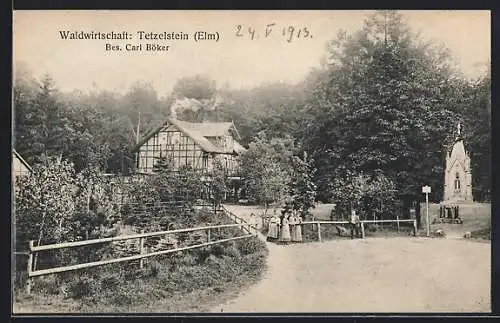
x=458 y=179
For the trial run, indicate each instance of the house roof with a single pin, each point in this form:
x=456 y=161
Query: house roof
x=238 y=148
x=21 y=159
x=199 y=132
x=207 y=129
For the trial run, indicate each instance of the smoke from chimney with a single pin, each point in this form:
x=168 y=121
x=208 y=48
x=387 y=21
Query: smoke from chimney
x=180 y=105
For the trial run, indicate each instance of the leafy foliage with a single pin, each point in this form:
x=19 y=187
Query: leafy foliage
x=197 y=87
x=88 y=129
x=302 y=186
x=45 y=203
x=266 y=169
x=54 y=203
x=388 y=106
x=368 y=195
x=219 y=185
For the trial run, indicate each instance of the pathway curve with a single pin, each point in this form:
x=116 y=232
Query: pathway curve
x=371 y=275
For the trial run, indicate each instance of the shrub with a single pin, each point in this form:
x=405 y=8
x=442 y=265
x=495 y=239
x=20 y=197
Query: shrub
x=250 y=245
x=110 y=281
x=232 y=251
x=153 y=269
x=83 y=286
x=47 y=285
x=121 y=299
x=217 y=250
x=202 y=254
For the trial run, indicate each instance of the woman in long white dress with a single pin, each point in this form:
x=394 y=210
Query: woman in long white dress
x=273 y=230
x=296 y=230
x=285 y=230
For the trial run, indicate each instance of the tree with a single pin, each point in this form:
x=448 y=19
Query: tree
x=302 y=186
x=385 y=107
x=143 y=109
x=45 y=202
x=85 y=142
x=197 y=87
x=49 y=124
x=265 y=171
x=476 y=118
x=367 y=194
x=218 y=185
x=30 y=118
x=275 y=108
x=28 y=135
x=181 y=188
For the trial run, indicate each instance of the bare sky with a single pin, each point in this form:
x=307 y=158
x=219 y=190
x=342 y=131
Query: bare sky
x=237 y=61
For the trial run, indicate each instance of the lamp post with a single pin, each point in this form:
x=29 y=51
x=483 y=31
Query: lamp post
x=426 y=190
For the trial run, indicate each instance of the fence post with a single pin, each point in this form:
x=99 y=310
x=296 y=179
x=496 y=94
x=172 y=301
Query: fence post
x=208 y=235
x=29 y=281
x=397 y=221
x=141 y=250
x=319 y=232
x=415 y=228
x=362 y=230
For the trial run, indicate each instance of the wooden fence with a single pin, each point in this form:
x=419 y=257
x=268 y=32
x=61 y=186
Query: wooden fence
x=362 y=224
x=238 y=220
x=33 y=250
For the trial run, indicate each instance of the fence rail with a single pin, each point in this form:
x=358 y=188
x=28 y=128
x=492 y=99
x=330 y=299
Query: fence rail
x=388 y=221
x=32 y=272
x=325 y=222
x=362 y=224
x=129 y=258
x=127 y=237
x=238 y=220
x=168 y=203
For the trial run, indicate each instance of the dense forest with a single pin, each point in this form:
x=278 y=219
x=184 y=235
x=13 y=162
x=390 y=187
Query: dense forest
x=383 y=106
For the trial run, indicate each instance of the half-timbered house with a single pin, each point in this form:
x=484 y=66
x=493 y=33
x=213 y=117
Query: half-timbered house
x=199 y=145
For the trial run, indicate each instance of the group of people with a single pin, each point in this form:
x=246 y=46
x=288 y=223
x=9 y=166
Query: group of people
x=286 y=229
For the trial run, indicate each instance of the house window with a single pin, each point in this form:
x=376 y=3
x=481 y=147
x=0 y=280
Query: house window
x=457 y=182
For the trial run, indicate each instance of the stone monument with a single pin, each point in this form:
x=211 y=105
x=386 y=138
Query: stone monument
x=457 y=176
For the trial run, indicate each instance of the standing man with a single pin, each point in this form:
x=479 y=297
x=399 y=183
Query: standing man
x=354 y=221
x=418 y=215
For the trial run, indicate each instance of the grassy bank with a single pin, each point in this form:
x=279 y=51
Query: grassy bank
x=483 y=234
x=192 y=281
x=475 y=216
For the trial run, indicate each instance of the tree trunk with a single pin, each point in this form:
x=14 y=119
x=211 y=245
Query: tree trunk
x=40 y=235
x=406 y=208
x=88 y=199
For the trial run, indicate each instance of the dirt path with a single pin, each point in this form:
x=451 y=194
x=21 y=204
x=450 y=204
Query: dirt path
x=372 y=275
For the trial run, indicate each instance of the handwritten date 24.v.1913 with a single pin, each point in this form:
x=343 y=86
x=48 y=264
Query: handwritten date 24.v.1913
x=289 y=33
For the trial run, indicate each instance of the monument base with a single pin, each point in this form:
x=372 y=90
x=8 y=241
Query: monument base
x=456 y=202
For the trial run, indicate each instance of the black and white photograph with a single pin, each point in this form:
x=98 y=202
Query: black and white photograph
x=260 y=161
